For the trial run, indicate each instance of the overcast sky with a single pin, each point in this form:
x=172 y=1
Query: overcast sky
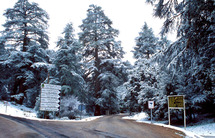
x=128 y=17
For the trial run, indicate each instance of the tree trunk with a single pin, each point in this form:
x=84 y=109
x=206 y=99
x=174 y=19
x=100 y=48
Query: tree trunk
x=97 y=86
x=25 y=40
x=97 y=111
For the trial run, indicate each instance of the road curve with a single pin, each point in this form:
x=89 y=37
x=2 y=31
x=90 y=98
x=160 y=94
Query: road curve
x=105 y=127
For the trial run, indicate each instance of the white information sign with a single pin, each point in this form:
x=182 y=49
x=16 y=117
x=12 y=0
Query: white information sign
x=151 y=105
x=49 y=98
x=52 y=86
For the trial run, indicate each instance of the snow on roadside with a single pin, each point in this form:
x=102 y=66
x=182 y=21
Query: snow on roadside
x=137 y=116
x=91 y=118
x=191 y=131
x=16 y=110
x=203 y=129
x=24 y=112
x=66 y=119
x=85 y=119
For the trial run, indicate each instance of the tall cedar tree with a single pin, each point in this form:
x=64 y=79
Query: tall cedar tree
x=26 y=25
x=25 y=34
x=6 y=70
x=194 y=19
x=145 y=43
x=146 y=47
x=98 y=39
x=68 y=64
x=190 y=59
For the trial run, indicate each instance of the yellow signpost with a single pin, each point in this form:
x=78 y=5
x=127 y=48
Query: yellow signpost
x=177 y=102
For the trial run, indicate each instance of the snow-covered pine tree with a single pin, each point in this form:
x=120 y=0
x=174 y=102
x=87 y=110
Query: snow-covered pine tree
x=131 y=98
x=99 y=44
x=141 y=85
x=192 y=58
x=193 y=19
x=113 y=76
x=68 y=65
x=25 y=26
x=145 y=43
x=25 y=34
x=6 y=70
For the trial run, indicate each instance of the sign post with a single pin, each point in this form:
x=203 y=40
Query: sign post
x=81 y=107
x=151 y=106
x=5 y=103
x=177 y=102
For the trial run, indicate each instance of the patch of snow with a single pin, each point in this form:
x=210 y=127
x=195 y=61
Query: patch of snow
x=137 y=116
x=8 y=108
x=188 y=134
x=91 y=118
x=203 y=129
x=65 y=119
x=16 y=110
x=196 y=131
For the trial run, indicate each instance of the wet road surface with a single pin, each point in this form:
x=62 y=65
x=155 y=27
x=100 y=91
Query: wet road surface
x=106 y=127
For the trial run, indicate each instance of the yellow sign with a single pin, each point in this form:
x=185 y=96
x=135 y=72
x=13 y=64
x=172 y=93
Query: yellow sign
x=176 y=101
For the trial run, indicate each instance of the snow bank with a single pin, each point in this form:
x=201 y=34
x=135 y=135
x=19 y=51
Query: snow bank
x=24 y=112
x=191 y=131
x=203 y=129
x=91 y=118
x=85 y=119
x=16 y=110
x=137 y=116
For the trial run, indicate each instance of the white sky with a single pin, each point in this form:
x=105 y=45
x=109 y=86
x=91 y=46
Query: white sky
x=128 y=17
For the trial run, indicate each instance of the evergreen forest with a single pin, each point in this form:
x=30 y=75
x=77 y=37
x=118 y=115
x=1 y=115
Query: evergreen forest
x=91 y=70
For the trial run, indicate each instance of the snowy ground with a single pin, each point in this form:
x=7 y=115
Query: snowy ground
x=200 y=130
x=16 y=110
x=22 y=111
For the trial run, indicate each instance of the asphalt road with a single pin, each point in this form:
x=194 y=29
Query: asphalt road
x=105 y=127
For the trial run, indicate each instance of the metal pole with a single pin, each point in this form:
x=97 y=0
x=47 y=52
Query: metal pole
x=81 y=112
x=54 y=114
x=169 y=115
x=151 y=116
x=48 y=78
x=6 y=107
x=168 y=110
x=184 y=114
x=60 y=104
